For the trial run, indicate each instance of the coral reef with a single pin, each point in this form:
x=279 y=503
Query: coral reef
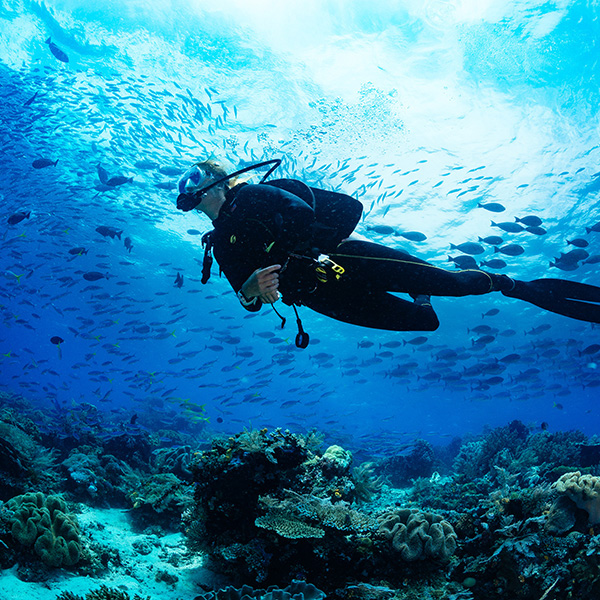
x=508 y=514
x=336 y=460
x=266 y=508
x=43 y=522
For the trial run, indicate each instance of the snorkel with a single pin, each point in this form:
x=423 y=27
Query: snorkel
x=187 y=201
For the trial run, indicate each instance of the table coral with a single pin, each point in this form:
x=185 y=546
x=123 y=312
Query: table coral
x=43 y=522
x=287 y=526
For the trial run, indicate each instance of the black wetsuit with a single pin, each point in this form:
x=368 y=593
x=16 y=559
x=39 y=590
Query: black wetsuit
x=285 y=222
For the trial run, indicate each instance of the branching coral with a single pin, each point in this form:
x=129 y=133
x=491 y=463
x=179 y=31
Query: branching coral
x=102 y=593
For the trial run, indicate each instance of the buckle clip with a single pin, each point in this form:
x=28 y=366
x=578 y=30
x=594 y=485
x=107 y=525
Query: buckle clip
x=327 y=268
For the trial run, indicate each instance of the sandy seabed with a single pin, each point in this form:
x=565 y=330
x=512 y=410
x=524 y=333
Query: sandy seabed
x=137 y=572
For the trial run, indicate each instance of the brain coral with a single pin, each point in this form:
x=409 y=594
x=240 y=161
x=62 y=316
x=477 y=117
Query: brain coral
x=337 y=458
x=584 y=490
x=418 y=535
x=43 y=522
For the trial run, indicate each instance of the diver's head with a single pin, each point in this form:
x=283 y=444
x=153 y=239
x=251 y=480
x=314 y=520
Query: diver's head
x=201 y=179
x=205 y=183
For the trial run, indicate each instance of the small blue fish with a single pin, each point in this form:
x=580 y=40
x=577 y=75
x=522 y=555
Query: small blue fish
x=529 y=221
x=468 y=248
x=56 y=51
x=94 y=276
x=41 y=163
x=492 y=207
x=509 y=227
x=510 y=249
x=413 y=236
x=18 y=217
x=118 y=180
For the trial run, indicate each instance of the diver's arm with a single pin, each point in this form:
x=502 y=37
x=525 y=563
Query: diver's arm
x=262 y=285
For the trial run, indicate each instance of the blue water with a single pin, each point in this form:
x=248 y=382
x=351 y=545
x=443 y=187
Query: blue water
x=422 y=110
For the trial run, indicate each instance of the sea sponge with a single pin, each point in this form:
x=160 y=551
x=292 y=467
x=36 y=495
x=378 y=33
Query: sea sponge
x=584 y=490
x=43 y=522
x=418 y=535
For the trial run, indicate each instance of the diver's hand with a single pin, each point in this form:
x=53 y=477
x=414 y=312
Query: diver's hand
x=263 y=283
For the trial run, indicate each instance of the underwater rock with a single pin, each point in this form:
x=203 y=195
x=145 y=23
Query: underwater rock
x=402 y=468
x=589 y=454
x=418 y=535
x=43 y=522
x=166 y=577
x=143 y=547
x=561 y=517
x=584 y=490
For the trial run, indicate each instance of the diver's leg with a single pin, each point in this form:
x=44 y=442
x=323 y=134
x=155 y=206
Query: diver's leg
x=372 y=308
x=579 y=301
x=396 y=271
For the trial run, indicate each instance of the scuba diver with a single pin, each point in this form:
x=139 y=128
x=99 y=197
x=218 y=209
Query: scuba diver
x=283 y=239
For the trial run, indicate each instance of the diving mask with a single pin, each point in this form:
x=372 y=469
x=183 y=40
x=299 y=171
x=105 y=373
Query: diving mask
x=193 y=180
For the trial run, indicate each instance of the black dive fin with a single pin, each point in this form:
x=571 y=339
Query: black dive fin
x=569 y=298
